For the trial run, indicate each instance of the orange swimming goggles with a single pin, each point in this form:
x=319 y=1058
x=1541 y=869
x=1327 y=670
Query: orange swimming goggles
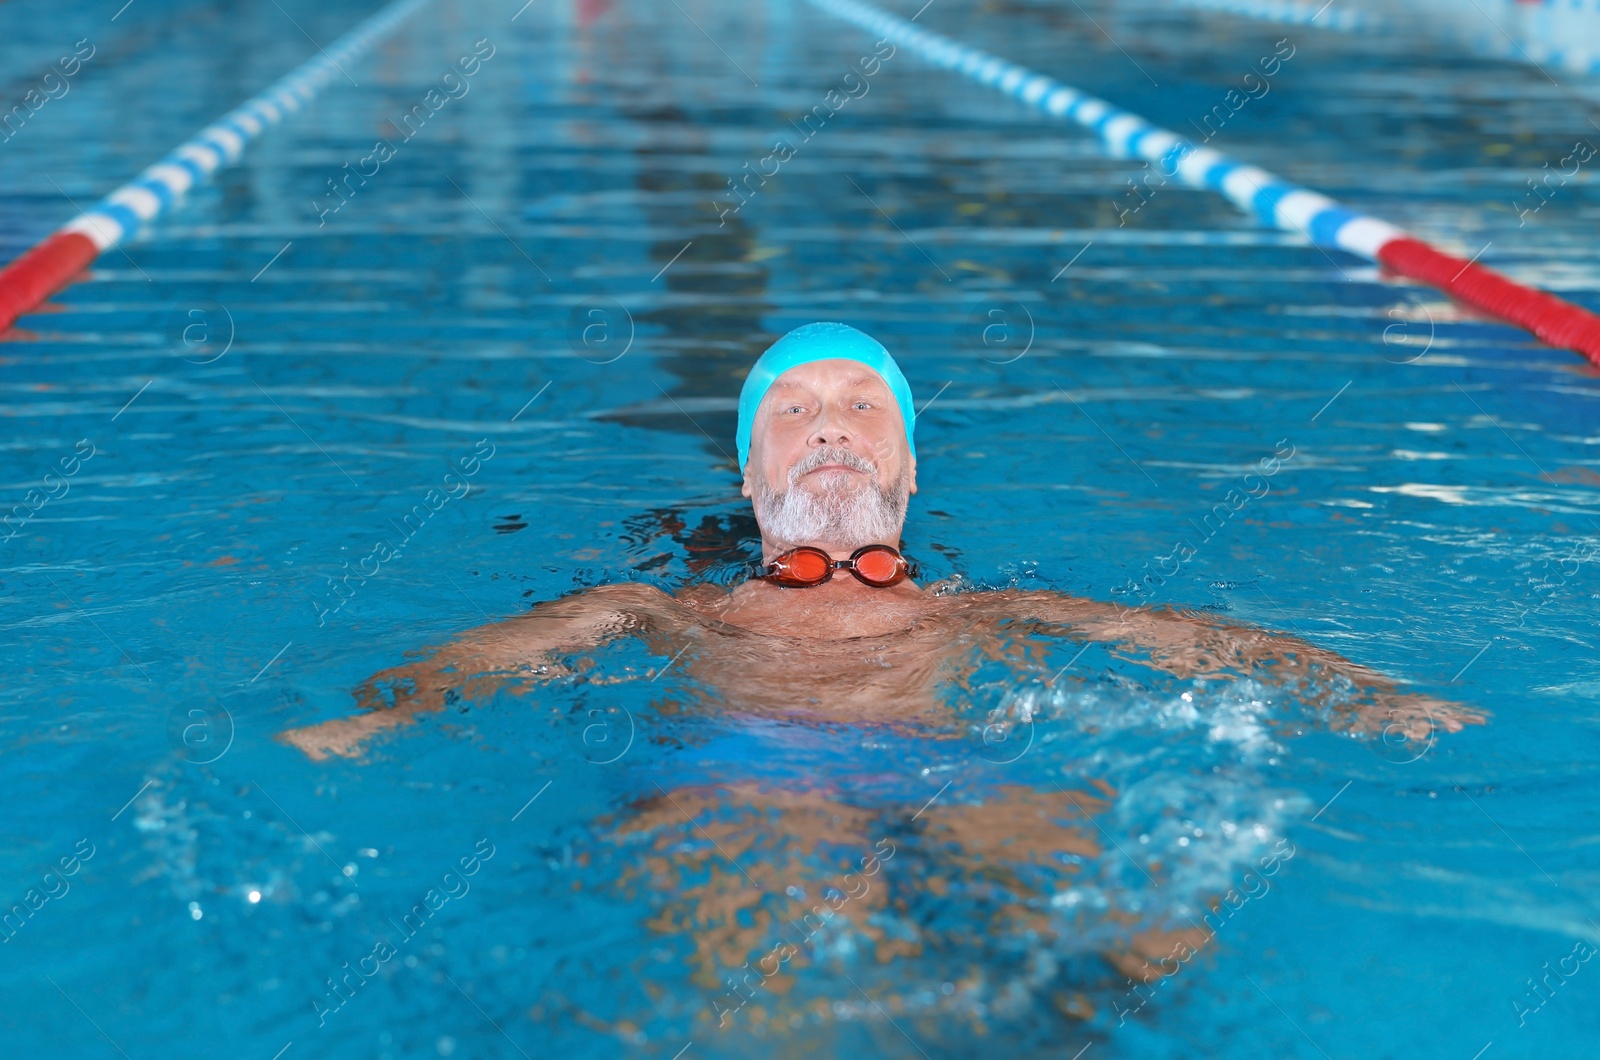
x=802 y=568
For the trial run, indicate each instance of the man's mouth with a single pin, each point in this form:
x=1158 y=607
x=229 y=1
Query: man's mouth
x=840 y=460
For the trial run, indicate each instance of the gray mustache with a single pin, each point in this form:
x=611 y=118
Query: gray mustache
x=831 y=454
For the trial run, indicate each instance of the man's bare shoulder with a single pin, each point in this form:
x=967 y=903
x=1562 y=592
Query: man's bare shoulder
x=613 y=598
x=638 y=603
x=940 y=603
x=1045 y=604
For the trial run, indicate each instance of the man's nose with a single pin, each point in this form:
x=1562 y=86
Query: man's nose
x=830 y=430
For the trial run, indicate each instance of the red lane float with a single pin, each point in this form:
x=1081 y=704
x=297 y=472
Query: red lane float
x=1270 y=198
x=41 y=272
x=65 y=253
x=1557 y=322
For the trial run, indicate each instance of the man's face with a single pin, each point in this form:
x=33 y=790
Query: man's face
x=829 y=463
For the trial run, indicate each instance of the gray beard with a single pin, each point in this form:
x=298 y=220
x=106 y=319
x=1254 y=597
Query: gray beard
x=846 y=515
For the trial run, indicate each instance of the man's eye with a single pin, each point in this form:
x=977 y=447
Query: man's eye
x=794 y=408
x=863 y=404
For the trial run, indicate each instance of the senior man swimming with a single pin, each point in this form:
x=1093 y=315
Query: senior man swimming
x=831 y=634
x=825 y=441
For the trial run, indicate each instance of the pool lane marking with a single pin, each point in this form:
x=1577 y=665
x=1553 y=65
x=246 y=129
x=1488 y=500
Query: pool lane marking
x=1291 y=12
x=1325 y=223
x=53 y=262
x=75 y=206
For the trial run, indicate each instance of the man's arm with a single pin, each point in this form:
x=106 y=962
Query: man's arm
x=1190 y=644
x=519 y=650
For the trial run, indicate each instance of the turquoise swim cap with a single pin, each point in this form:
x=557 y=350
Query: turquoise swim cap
x=820 y=342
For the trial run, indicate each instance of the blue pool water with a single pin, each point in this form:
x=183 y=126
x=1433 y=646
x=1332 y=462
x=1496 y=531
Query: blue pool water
x=537 y=285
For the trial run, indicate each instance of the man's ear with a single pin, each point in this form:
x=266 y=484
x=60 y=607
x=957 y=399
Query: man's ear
x=744 y=489
x=913 y=488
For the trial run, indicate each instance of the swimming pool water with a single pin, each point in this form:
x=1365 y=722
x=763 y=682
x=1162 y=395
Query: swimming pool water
x=538 y=284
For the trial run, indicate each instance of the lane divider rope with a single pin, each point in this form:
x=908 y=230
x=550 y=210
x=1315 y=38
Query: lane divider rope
x=1271 y=199
x=1293 y=12
x=53 y=262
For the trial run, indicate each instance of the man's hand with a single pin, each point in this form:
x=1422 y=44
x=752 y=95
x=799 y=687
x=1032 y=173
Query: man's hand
x=518 y=651
x=341 y=736
x=1196 y=646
